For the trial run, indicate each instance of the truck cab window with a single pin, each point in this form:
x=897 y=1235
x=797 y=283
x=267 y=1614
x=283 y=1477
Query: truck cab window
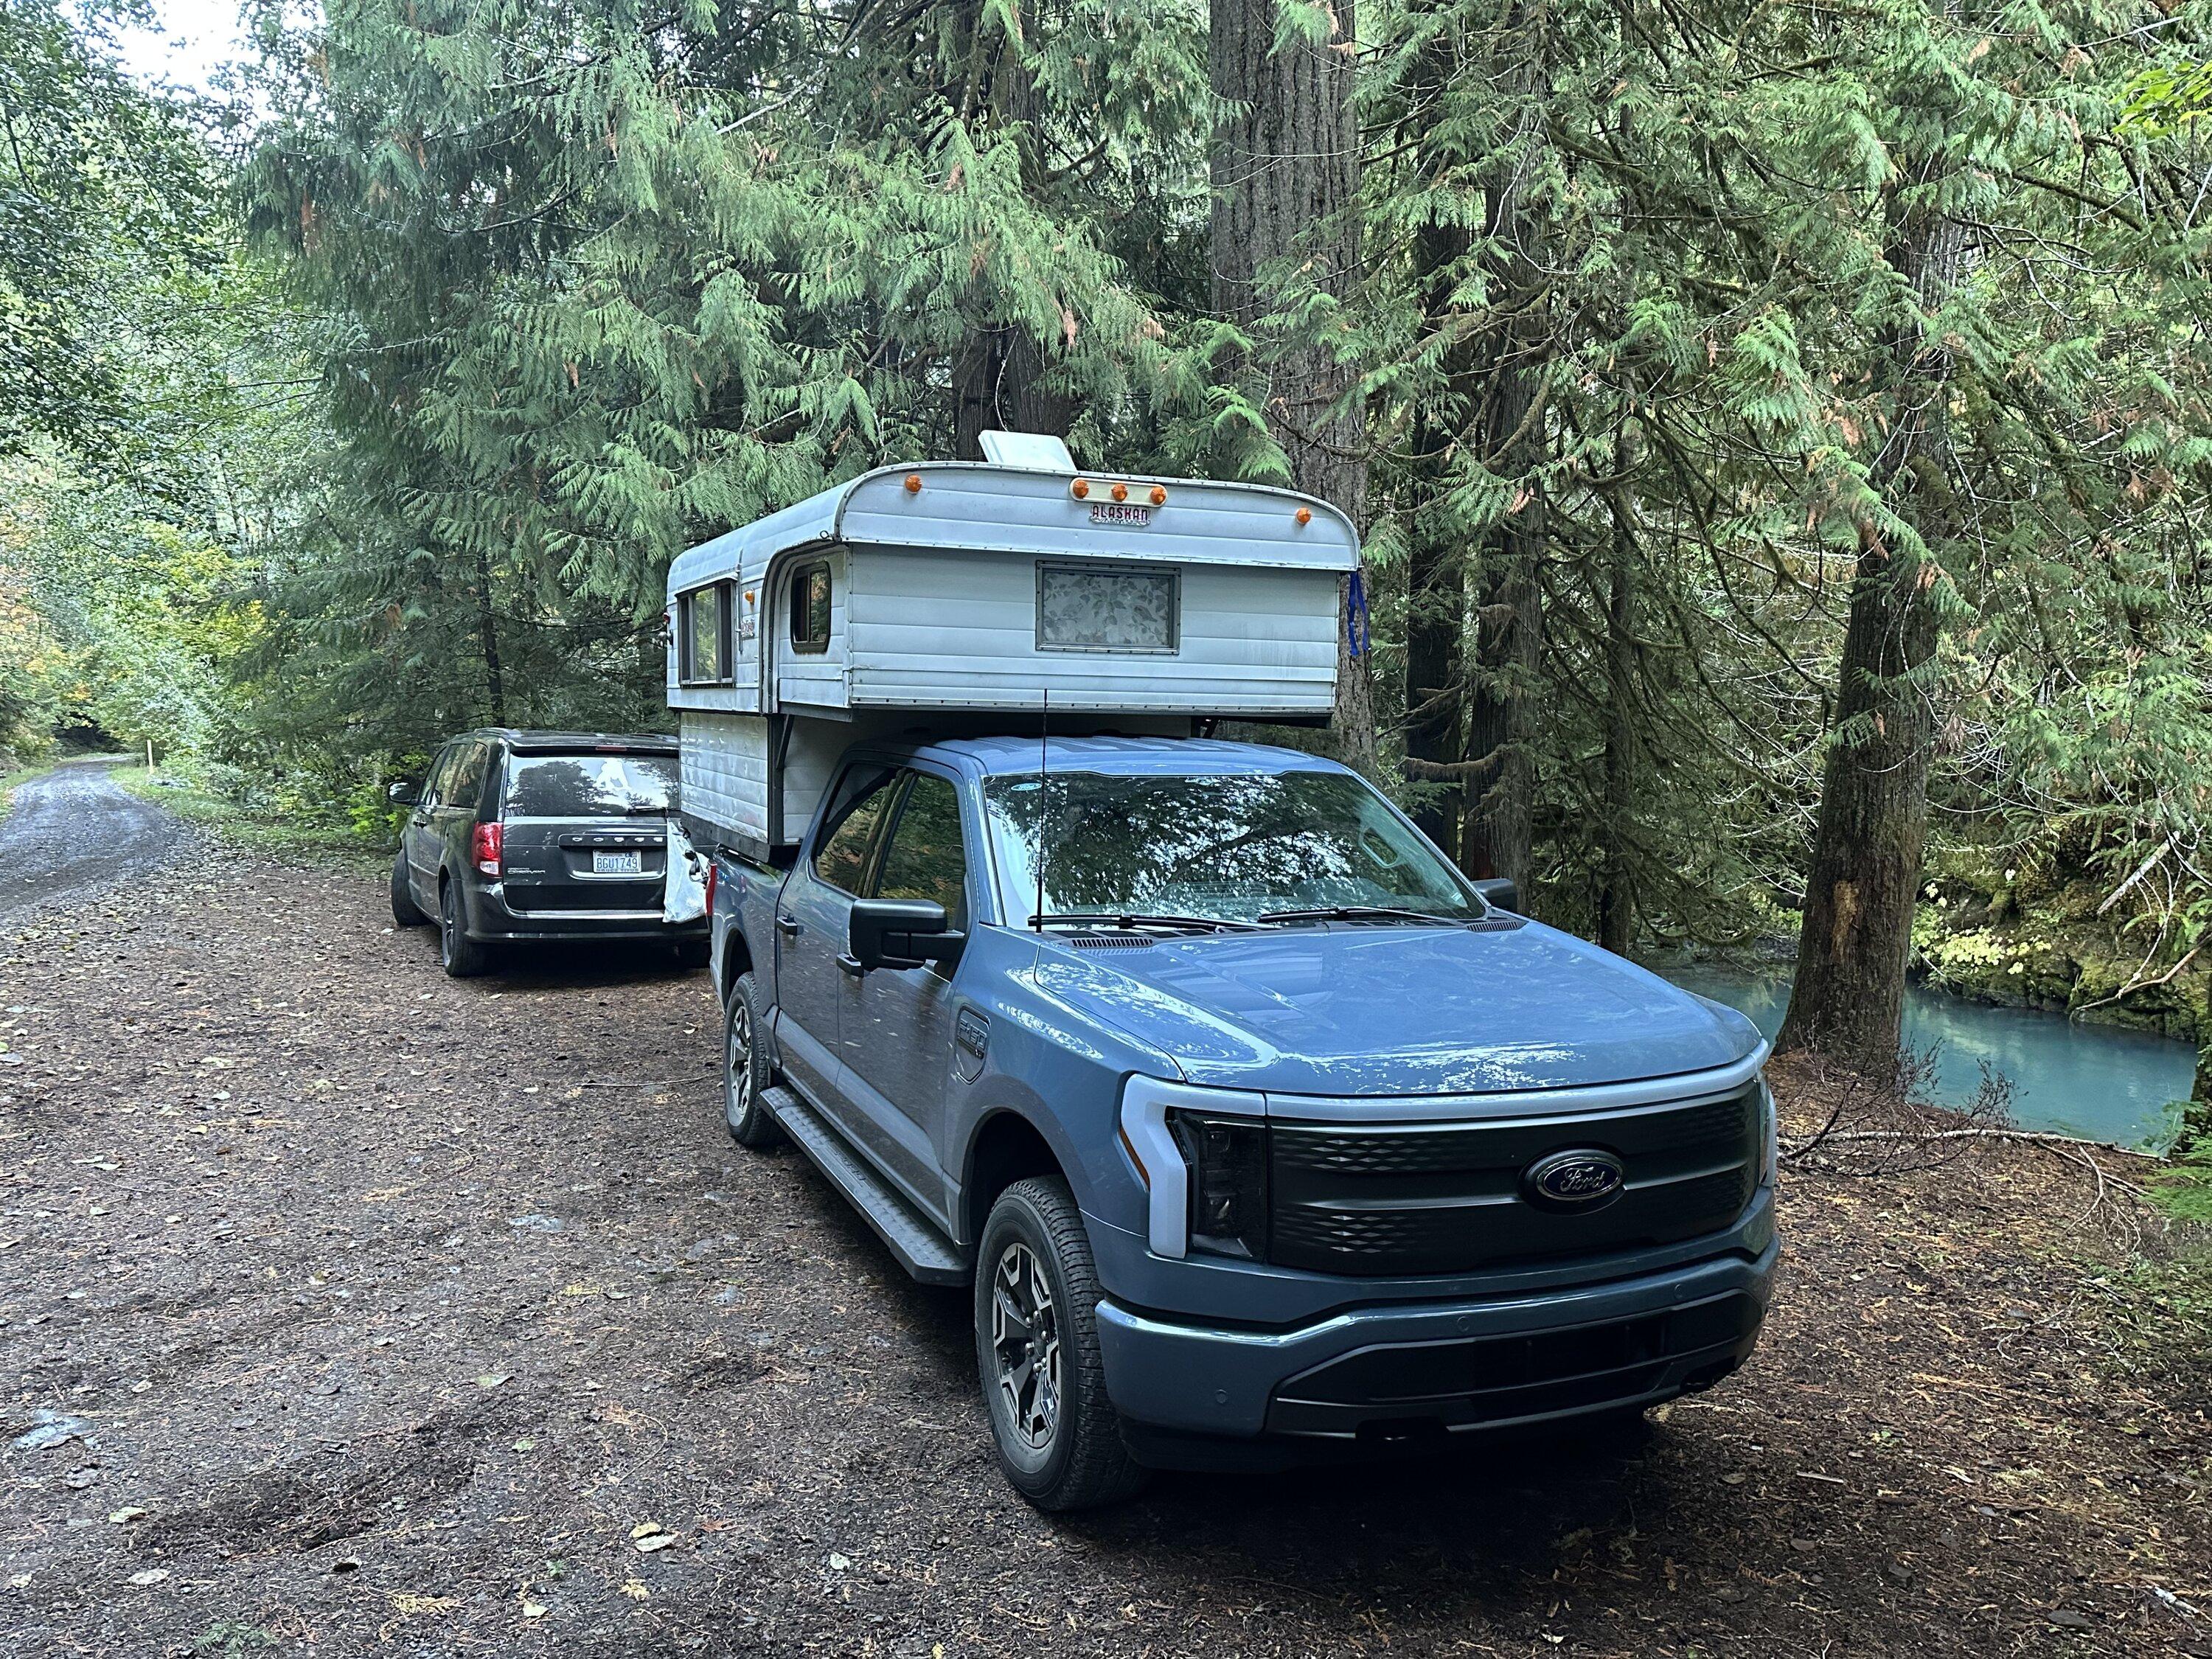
x=850 y=829
x=927 y=858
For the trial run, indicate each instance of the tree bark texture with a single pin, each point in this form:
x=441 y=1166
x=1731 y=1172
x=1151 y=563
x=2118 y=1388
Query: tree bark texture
x=1849 y=998
x=1286 y=169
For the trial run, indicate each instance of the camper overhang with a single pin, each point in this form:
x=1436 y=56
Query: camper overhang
x=976 y=507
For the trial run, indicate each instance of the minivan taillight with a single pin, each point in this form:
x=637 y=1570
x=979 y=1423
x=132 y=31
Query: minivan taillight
x=487 y=845
x=713 y=878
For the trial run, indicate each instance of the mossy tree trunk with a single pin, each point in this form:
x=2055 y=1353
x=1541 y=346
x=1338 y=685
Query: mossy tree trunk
x=1849 y=998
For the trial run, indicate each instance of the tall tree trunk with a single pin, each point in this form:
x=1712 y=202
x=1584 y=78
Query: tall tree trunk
x=998 y=382
x=1286 y=169
x=1435 y=586
x=488 y=641
x=998 y=379
x=1501 y=780
x=1616 y=899
x=1849 y=998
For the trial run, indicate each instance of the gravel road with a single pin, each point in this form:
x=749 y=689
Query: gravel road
x=345 y=1309
x=72 y=832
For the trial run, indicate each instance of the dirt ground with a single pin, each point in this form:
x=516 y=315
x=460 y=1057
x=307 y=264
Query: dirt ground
x=347 y=1310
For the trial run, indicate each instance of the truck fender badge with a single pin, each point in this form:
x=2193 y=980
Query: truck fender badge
x=1581 y=1178
x=971 y=1037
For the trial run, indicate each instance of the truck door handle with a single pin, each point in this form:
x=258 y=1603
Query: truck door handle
x=851 y=964
x=788 y=926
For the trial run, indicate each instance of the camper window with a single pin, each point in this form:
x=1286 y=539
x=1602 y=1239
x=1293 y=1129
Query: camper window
x=1108 y=607
x=810 y=608
x=704 y=635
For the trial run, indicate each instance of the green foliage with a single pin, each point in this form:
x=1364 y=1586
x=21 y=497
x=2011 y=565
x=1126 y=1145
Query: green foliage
x=593 y=284
x=99 y=180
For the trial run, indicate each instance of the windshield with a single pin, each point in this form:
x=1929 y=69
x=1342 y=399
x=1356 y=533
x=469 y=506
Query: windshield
x=590 y=786
x=1231 y=848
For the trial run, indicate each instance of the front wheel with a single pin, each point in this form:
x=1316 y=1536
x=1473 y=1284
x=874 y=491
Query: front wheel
x=1036 y=1344
x=745 y=1070
x=405 y=912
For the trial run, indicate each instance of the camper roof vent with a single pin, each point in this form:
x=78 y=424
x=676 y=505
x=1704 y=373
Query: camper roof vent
x=1035 y=452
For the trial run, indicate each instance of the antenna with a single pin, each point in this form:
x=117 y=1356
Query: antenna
x=1044 y=801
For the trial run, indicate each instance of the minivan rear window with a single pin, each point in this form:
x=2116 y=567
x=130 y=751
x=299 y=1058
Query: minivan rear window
x=589 y=785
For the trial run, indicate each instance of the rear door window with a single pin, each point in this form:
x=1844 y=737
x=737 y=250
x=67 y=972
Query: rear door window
x=590 y=786
x=926 y=858
x=850 y=829
x=466 y=789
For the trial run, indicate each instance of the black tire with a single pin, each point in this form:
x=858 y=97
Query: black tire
x=405 y=912
x=742 y=1080
x=694 y=954
x=1069 y=1453
x=463 y=956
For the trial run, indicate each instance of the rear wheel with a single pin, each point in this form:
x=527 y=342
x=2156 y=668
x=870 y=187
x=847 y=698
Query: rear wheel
x=695 y=953
x=405 y=912
x=1036 y=1344
x=745 y=1072
x=463 y=956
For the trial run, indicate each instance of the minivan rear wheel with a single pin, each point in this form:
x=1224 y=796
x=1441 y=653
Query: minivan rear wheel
x=463 y=956
x=1037 y=1345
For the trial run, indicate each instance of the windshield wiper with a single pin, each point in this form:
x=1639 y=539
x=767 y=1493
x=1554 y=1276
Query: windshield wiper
x=1137 y=919
x=1360 y=913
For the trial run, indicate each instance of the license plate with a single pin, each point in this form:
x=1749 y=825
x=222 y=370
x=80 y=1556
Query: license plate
x=1120 y=513
x=618 y=864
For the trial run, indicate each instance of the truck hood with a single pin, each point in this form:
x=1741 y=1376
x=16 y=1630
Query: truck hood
x=1357 y=1010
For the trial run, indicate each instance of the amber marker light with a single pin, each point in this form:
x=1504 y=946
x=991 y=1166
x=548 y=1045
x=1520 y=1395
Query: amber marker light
x=1159 y=495
x=913 y=483
x=1121 y=492
x=1080 y=489
x=1305 y=515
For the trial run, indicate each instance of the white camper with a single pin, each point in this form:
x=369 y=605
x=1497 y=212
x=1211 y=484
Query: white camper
x=957 y=595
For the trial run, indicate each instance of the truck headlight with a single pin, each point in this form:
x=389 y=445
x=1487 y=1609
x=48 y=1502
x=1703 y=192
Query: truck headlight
x=1227 y=1159
x=1769 y=1135
x=1202 y=1156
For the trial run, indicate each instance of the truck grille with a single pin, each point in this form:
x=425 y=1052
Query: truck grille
x=1421 y=1198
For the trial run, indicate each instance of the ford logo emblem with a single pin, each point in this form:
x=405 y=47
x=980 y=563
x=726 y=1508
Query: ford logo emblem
x=1581 y=1179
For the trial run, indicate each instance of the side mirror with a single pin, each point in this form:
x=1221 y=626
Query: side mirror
x=902 y=934
x=405 y=794
x=1503 y=892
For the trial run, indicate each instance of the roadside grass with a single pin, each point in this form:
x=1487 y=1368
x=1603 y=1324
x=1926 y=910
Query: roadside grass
x=11 y=782
x=177 y=789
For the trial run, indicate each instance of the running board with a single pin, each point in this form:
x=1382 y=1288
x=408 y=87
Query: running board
x=920 y=1249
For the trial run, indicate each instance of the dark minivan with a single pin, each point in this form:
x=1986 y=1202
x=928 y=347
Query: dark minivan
x=521 y=837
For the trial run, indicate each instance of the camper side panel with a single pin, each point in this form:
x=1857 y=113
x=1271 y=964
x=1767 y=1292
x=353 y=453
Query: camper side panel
x=810 y=664
x=951 y=630
x=724 y=774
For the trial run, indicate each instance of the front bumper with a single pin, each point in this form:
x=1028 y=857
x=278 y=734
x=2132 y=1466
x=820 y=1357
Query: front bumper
x=1383 y=1373
x=492 y=919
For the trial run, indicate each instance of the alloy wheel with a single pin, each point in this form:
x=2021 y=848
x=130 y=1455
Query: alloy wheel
x=738 y=1060
x=1025 y=1342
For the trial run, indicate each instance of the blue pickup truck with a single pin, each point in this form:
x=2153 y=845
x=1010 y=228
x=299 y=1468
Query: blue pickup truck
x=1258 y=1129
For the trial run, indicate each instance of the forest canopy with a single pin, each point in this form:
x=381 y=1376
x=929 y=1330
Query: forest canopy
x=1779 y=431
